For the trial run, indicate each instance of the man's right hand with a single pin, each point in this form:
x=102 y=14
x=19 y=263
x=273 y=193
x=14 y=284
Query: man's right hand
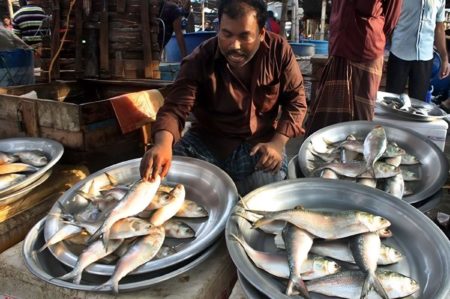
x=158 y=158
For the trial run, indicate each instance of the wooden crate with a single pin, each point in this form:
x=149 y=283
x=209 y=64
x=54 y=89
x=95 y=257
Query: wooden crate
x=76 y=113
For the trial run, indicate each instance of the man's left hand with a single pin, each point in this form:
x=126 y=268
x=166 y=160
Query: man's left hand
x=271 y=156
x=444 y=69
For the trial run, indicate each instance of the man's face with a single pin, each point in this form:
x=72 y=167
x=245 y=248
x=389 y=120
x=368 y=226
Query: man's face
x=239 y=39
x=7 y=21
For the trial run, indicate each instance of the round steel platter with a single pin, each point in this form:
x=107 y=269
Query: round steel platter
x=205 y=184
x=432 y=171
x=249 y=290
x=10 y=198
x=46 y=267
x=434 y=111
x=425 y=248
x=52 y=149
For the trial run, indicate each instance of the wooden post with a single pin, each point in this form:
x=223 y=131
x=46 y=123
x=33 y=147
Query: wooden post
x=146 y=39
x=322 y=19
x=104 y=40
x=10 y=9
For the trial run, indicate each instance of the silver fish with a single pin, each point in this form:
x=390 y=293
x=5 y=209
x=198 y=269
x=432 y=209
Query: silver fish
x=382 y=171
x=65 y=232
x=329 y=174
x=395 y=161
x=35 y=158
x=6 y=158
x=138 y=254
x=406 y=102
x=178 y=229
x=348 y=284
x=16 y=168
x=160 y=199
x=408 y=175
x=298 y=243
x=395 y=186
x=365 y=249
x=139 y=197
x=191 y=209
x=327 y=225
x=408 y=159
x=8 y=180
x=129 y=227
x=367 y=182
x=348 y=156
x=393 y=150
x=115 y=193
x=165 y=251
x=274 y=227
x=374 y=146
x=90 y=255
x=176 y=200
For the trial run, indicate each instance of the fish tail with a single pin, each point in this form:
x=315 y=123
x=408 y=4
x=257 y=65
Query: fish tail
x=261 y=222
x=77 y=278
x=69 y=275
x=105 y=239
x=104 y=285
x=298 y=284
x=370 y=282
x=238 y=239
x=112 y=180
x=43 y=247
x=378 y=287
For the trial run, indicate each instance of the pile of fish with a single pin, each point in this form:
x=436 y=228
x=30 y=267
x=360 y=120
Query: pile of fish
x=403 y=103
x=15 y=167
x=125 y=226
x=372 y=161
x=336 y=253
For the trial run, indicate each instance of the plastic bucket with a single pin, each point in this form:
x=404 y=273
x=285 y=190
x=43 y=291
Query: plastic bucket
x=440 y=86
x=16 y=67
x=321 y=46
x=193 y=39
x=169 y=71
x=303 y=49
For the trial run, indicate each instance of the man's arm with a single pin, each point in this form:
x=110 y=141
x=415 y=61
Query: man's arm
x=439 y=42
x=392 y=9
x=179 y=36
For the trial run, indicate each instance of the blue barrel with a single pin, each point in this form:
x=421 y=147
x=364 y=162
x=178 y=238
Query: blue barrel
x=192 y=39
x=169 y=71
x=303 y=49
x=440 y=86
x=16 y=67
x=321 y=46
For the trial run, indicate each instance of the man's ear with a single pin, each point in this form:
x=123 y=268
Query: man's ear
x=262 y=34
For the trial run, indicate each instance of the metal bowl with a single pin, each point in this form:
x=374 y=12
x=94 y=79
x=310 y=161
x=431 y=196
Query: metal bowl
x=46 y=267
x=433 y=170
x=205 y=183
x=413 y=232
x=52 y=149
x=10 y=198
x=249 y=290
x=434 y=112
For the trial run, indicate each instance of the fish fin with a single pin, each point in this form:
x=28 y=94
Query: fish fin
x=259 y=212
x=371 y=281
x=108 y=283
x=298 y=284
x=96 y=234
x=112 y=180
x=85 y=195
x=261 y=222
x=378 y=287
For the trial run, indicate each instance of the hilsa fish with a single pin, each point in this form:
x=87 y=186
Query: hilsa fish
x=375 y=145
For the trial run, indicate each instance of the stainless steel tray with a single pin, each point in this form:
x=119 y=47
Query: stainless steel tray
x=433 y=170
x=46 y=267
x=52 y=149
x=434 y=111
x=249 y=290
x=424 y=245
x=205 y=183
x=10 y=198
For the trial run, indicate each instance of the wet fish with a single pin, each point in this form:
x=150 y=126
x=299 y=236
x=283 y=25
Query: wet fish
x=176 y=200
x=142 y=251
x=393 y=150
x=298 y=243
x=367 y=182
x=365 y=249
x=395 y=186
x=356 y=169
x=35 y=158
x=348 y=284
x=6 y=158
x=8 y=180
x=327 y=225
x=91 y=254
x=408 y=175
x=67 y=231
x=277 y=264
x=408 y=159
x=165 y=251
x=405 y=101
x=16 y=168
x=382 y=171
x=178 y=229
x=348 y=156
x=115 y=193
x=129 y=227
x=160 y=199
x=329 y=174
x=135 y=201
x=191 y=209
x=395 y=161
x=375 y=144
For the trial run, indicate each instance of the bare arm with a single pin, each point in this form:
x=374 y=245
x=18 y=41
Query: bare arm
x=179 y=36
x=439 y=42
x=158 y=158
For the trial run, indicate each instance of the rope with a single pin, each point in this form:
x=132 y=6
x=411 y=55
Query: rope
x=72 y=3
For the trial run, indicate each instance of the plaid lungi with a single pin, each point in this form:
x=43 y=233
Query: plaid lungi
x=347 y=91
x=239 y=165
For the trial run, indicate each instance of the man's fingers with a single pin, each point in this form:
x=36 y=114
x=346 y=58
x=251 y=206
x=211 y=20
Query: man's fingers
x=165 y=169
x=148 y=170
x=254 y=150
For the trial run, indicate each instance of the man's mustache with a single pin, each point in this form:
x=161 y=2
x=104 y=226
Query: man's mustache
x=235 y=52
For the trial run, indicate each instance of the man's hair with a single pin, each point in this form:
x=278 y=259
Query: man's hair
x=22 y=2
x=270 y=14
x=233 y=9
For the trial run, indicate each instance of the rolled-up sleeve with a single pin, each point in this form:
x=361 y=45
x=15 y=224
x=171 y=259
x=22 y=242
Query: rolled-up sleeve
x=292 y=97
x=392 y=9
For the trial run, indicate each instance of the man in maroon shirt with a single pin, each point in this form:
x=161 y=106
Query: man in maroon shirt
x=245 y=90
x=350 y=81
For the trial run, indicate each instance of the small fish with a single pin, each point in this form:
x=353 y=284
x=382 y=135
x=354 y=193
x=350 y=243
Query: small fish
x=382 y=171
x=327 y=225
x=35 y=158
x=365 y=249
x=115 y=193
x=129 y=227
x=16 y=168
x=348 y=284
x=329 y=174
x=165 y=251
x=348 y=156
x=160 y=199
x=191 y=209
x=395 y=186
x=8 y=180
x=406 y=102
x=65 y=232
x=408 y=159
x=176 y=200
x=91 y=254
x=6 y=158
x=395 y=161
x=178 y=229
x=393 y=150
x=409 y=176
x=142 y=251
x=367 y=182
x=375 y=145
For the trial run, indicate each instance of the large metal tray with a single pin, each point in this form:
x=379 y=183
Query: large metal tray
x=424 y=245
x=52 y=149
x=249 y=290
x=46 y=267
x=10 y=198
x=434 y=111
x=205 y=183
x=433 y=170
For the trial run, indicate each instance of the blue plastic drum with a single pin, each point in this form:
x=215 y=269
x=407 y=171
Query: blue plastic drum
x=192 y=41
x=321 y=46
x=16 y=67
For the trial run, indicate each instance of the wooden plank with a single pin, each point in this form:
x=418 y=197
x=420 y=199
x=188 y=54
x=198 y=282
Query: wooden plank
x=78 y=38
x=56 y=38
x=121 y=5
x=29 y=114
x=70 y=140
x=9 y=129
x=146 y=39
x=104 y=40
x=119 y=70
